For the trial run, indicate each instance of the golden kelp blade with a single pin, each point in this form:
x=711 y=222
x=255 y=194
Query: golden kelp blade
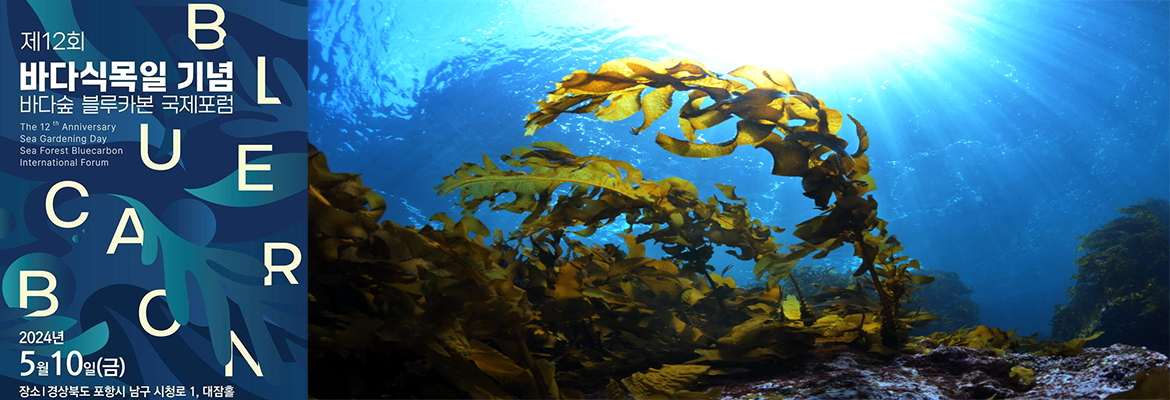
x=667 y=383
x=622 y=82
x=766 y=111
x=602 y=189
x=1025 y=375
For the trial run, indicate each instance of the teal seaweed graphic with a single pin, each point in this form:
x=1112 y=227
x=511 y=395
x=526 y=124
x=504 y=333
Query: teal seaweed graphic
x=285 y=177
x=220 y=275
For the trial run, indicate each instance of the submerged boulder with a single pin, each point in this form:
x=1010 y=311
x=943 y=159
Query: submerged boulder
x=843 y=372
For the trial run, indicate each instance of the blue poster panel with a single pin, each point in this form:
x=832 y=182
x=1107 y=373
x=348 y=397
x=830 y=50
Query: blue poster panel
x=152 y=199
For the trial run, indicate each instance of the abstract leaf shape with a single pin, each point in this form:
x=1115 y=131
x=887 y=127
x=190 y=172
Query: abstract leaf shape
x=284 y=176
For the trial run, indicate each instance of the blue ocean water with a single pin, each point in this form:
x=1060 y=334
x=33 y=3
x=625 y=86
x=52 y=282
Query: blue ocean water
x=999 y=131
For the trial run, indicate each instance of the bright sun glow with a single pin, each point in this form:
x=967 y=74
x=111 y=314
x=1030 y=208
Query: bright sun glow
x=824 y=34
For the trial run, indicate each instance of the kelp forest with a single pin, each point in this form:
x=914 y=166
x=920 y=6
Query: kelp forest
x=472 y=311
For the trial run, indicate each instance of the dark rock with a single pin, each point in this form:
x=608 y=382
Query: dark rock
x=945 y=373
x=1095 y=373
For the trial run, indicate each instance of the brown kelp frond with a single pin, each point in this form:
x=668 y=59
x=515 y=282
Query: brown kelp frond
x=600 y=190
x=1122 y=281
x=797 y=128
x=463 y=311
x=668 y=382
x=438 y=301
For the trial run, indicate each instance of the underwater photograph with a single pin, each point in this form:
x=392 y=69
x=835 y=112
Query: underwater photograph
x=739 y=200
